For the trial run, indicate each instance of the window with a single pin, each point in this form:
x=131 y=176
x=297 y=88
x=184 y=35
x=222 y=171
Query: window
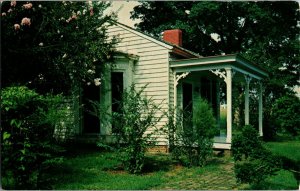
x=117 y=86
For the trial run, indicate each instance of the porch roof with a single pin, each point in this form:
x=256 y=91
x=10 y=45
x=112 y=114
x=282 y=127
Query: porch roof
x=234 y=61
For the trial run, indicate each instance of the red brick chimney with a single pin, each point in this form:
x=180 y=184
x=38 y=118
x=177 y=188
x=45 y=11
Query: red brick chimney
x=173 y=36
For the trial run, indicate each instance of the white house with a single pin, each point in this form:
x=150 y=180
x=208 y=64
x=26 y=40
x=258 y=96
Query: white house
x=175 y=77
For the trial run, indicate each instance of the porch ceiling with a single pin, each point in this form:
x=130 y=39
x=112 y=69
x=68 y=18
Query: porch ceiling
x=234 y=61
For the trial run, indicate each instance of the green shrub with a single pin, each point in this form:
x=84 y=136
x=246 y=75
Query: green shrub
x=136 y=117
x=286 y=114
x=253 y=163
x=246 y=143
x=28 y=147
x=191 y=136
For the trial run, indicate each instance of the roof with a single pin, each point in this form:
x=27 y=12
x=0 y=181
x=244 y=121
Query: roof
x=175 y=49
x=194 y=59
x=234 y=61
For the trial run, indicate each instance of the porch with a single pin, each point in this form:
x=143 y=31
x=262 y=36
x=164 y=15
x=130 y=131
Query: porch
x=204 y=76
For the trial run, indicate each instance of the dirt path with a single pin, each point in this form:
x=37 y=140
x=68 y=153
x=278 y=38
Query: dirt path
x=220 y=177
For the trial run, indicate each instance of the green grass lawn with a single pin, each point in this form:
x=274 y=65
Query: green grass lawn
x=289 y=149
x=289 y=152
x=93 y=169
x=102 y=171
x=99 y=170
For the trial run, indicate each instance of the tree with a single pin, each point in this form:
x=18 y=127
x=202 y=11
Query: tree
x=264 y=32
x=285 y=113
x=52 y=45
x=49 y=47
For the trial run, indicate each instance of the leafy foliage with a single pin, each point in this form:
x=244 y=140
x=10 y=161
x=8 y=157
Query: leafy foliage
x=28 y=147
x=253 y=163
x=50 y=45
x=191 y=135
x=137 y=116
x=246 y=143
x=286 y=114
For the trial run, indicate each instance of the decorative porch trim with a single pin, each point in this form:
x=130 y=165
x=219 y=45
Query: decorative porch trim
x=222 y=74
x=248 y=78
x=218 y=72
x=181 y=76
x=233 y=61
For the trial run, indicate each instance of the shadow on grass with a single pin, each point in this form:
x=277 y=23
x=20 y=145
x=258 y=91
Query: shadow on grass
x=76 y=173
x=101 y=170
x=157 y=163
x=74 y=149
x=285 y=137
x=291 y=165
x=270 y=186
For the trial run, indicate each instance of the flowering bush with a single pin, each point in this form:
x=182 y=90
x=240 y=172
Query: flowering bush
x=60 y=41
x=25 y=21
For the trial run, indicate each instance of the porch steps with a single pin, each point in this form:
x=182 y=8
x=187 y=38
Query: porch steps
x=220 y=143
x=223 y=146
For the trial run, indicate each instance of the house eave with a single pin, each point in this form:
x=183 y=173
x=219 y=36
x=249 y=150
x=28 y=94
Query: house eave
x=234 y=61
x=174 y=48
x=185 y=53
x=148 y=37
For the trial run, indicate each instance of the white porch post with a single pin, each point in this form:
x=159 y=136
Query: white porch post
x=248 y=79
x=229 y=103
x=218 y=103
x=260 y=110
x=175 y=92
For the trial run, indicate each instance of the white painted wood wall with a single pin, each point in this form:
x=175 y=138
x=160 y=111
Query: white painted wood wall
x=152 y=68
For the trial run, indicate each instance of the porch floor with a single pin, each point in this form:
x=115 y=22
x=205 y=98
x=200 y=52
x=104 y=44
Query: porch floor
x=220 y=142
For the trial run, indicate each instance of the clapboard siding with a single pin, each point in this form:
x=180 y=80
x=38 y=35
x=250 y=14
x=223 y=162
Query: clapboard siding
x=134 y=38
x=153 y=88
x=116 y=30
x=157 y=98
x=147 y=79
x=147 y=48
x=151 y=51
x=153 y=57
x=156 y=93
x=156 y=71
x=131 y=43
x=151 y=69
x=142 y=46
x=153 y=64
x=157 y=75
